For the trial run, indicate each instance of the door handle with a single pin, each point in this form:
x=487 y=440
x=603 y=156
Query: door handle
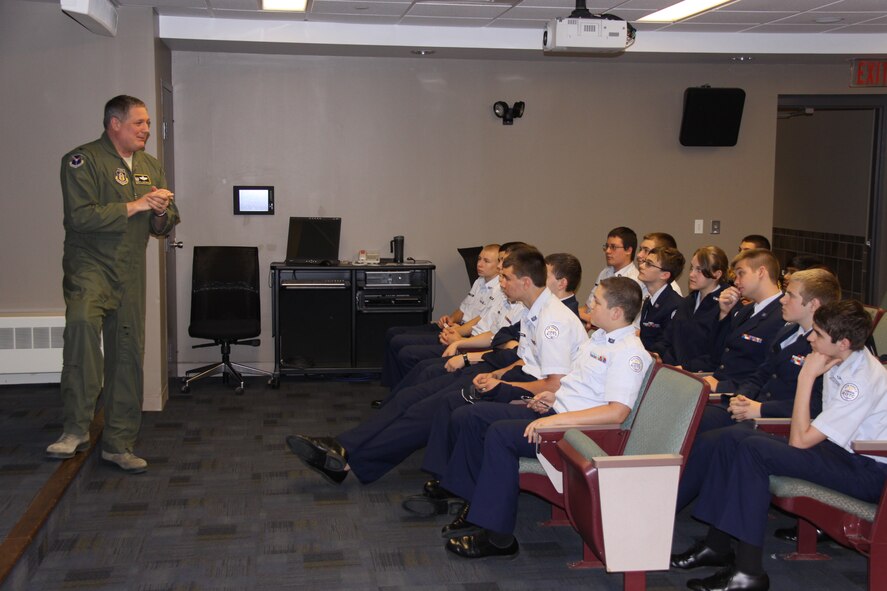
x=175 y=243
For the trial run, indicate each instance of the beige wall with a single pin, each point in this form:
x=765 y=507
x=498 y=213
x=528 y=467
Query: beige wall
x=393 y=146
x=58 y=76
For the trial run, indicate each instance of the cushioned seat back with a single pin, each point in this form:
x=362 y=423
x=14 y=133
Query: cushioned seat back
x=879 y=336
x=665 y=414
x=469 y=255
x=784 y=486
x=225 y=293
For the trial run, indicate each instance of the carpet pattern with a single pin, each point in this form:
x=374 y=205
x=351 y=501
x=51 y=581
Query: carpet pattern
x=225 y=506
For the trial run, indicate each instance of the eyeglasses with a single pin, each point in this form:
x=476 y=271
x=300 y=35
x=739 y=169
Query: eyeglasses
x=607 y=247
x=647 y=263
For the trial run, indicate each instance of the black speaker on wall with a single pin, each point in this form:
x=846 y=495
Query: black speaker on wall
x=712 y=116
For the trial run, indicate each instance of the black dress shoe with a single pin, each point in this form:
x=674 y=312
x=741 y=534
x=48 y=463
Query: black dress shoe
x=790 y=534
x=700 y=555
x=376 y=404
x=479 y=546
x=433 y=489
x=324 y=455
x=460 y=526
x=730 y=579
x=426 y=506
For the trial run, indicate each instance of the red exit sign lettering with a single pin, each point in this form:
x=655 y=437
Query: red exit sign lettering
x=868 y=73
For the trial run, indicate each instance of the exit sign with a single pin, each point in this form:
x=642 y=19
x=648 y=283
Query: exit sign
x=868 y=73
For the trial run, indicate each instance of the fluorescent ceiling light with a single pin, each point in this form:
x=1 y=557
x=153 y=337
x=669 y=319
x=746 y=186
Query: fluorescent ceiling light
x=681 y=10
x=285 y=5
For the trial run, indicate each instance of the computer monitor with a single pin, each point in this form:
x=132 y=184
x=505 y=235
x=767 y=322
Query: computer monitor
x=253 y=200
x=313 y=241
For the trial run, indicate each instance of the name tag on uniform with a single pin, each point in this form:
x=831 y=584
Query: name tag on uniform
x=752 y=338
x=141 y=179
x=650 y=324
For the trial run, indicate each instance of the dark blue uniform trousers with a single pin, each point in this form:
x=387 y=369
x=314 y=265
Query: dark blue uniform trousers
x=735 y=496
x=698 y=461
x=483 y=465
x=396 y=339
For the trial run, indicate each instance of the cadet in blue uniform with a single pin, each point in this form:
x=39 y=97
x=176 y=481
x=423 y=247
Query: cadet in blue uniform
x=746 y=332
x=735 y=496
x=690 y=337
x=770 y=391
x=488 y=438
x=657 y=271
x=550 y=335
x=115 y=197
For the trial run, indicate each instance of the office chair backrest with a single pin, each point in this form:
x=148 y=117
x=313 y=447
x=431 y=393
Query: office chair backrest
x=469 y=255
x=225 y=293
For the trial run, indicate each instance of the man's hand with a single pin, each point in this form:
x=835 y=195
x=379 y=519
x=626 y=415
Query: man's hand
x=727 y=300
x=711 y=381
x=485 y=382
x=449 y=335
x=816 y=364
x=454 y=363
x=541 y=402
x=656 y=357
x=444 y=322
x=743 y=408
x=157 y=201
x=530 y=432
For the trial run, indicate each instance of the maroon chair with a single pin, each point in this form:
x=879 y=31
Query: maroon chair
x=660 y=439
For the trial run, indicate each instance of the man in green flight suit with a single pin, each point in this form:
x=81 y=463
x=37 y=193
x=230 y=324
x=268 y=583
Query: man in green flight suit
x=114 y=198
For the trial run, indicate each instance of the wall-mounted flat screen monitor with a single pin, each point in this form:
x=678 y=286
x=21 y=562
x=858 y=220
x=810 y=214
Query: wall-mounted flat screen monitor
x=313 y=241
x=253 y=200
x=712 y=116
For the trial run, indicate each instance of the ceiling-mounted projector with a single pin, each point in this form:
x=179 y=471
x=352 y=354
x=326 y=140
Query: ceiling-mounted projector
x=99 y=16
x=587 y=35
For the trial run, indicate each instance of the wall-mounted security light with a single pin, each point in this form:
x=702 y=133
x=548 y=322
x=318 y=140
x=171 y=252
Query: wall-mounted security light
x=508 y=114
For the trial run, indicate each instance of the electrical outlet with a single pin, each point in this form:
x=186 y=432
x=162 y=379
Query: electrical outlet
x=697 y=226
x=716 y=226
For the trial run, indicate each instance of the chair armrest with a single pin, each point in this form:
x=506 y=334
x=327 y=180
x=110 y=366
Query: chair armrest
x=701 y=374
x=774 y=426
x=715 y=397
x=565 y=428
x=641 y=461
x=870 y=447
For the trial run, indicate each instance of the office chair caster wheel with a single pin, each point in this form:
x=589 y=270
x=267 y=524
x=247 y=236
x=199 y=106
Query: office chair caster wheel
x=185 y=389
x=239 y=390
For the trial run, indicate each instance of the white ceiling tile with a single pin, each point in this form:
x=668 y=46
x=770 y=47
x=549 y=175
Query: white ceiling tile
x=686 y=27
x=444 y=22
x=457 y=10
x=358 y=8
x=235 y=4
x=353 y=19
x=737 y=18
x=857 y=6
x=515 y=23
x=779 y=5
x=847 y=18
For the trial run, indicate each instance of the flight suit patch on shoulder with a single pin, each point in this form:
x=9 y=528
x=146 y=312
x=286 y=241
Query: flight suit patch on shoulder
x=76 y=161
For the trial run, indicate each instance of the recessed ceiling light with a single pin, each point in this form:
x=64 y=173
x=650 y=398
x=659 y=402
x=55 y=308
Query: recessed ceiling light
x=828 y=20
x=285 y=5
x=681 y=10
x=422 y=52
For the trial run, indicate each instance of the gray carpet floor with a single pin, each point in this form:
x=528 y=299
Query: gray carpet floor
x=226 y=506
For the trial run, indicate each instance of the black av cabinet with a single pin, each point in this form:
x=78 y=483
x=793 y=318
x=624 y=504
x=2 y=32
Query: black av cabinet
x=333 y=319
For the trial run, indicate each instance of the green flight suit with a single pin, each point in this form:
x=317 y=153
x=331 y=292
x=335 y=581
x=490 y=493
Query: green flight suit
x=104 y=287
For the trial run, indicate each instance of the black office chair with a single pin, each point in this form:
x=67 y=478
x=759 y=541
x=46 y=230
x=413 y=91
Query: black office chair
x=470 y=255
x=225 y=308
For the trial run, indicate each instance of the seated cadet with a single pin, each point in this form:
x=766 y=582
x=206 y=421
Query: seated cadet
x=770 y=391
x=619 y=252
x=500 y=313
x=658 y=270
x=483 y=293
x=735 y=496
x=550 y=336
x=746 y=331
x=691 y=335
x=564 y=272
x=656 y=240
x=753 y=241
x=486 y=440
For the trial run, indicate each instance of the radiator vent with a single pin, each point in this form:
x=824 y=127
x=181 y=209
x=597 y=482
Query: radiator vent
x=31 y=348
